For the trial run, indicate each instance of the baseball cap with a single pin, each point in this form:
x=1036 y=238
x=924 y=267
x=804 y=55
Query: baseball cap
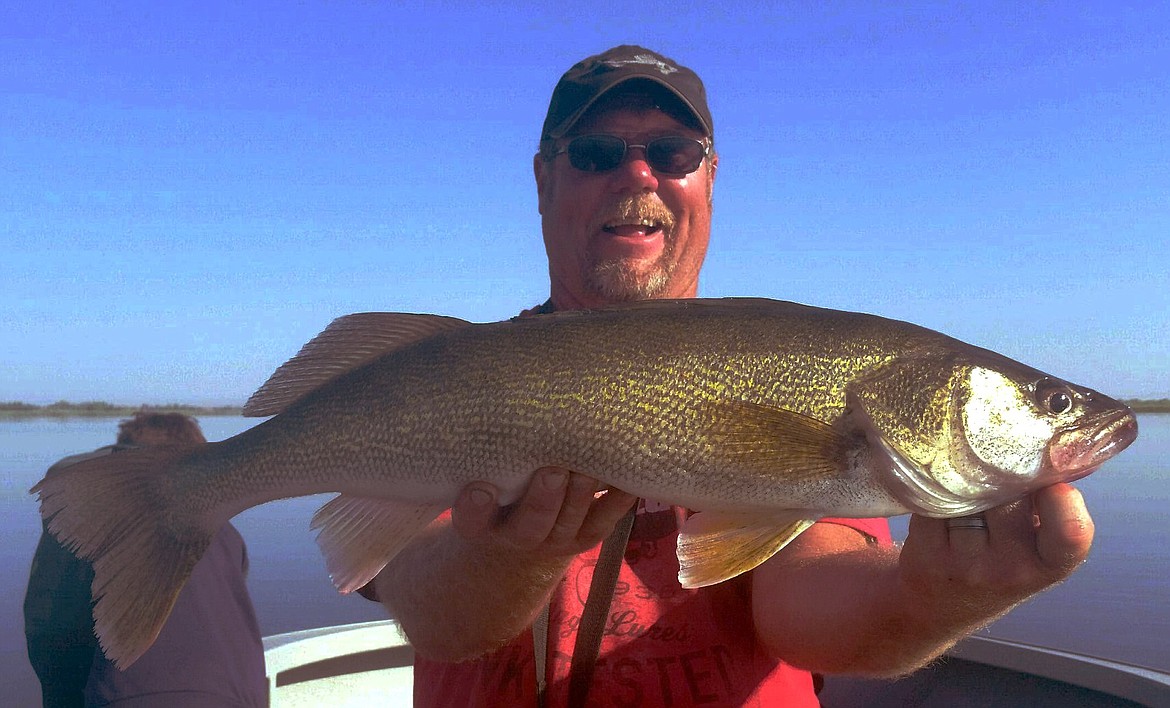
x=588 y=80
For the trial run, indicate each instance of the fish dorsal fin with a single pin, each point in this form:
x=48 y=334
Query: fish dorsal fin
x=359 y=536
x=347 y=343
x=777 y=442
x=717 y=546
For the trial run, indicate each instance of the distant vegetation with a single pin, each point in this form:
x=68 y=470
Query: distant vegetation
x=15 y=410
x=1149 y=405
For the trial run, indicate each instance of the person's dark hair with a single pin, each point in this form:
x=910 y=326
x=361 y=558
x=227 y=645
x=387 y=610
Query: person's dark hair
x=147 y=428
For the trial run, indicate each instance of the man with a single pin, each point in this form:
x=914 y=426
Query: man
x=624 y=178
x=209 y=653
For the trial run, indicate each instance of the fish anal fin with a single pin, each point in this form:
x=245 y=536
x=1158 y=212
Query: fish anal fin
x=717 y=546
x=346 y=344
x=359 y=536
x=777 y=442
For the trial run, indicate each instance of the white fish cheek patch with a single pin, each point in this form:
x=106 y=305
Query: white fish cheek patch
x=1002 y=426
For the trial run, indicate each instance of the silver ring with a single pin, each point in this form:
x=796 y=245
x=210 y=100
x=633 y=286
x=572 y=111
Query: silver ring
x=974 y=521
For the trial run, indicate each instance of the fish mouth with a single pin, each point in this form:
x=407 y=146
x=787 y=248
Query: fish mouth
x=1076 y=452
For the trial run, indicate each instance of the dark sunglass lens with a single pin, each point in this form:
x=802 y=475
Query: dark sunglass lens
x=596 y=153
x=675 y=155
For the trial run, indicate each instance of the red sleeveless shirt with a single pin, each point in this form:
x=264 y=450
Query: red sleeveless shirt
x=662 y=645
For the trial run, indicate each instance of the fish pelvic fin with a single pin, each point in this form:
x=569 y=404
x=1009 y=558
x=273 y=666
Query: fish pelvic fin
x=776 y=443
x=346 y=344
x=359 y=536
x=717 y=546
x=111 y=511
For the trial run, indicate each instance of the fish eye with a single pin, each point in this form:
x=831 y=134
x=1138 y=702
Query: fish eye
x=1054 y=396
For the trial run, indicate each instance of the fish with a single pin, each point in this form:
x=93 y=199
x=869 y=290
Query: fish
x=760 y=415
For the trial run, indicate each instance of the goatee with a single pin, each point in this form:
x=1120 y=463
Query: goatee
x=623 y=280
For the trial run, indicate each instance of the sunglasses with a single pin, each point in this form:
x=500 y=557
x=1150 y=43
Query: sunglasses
x=671 y=155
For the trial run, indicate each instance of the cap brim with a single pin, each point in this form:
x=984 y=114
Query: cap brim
x=567 y=124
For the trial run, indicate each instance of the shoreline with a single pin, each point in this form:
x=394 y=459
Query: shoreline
x=15 y=410
x=100 y=409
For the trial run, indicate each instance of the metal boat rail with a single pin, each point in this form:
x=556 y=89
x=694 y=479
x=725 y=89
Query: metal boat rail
x=370 y=663
x=362 y=664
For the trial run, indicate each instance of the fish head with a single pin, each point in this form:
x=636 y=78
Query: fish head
x=959 y=434
x=1040 y=429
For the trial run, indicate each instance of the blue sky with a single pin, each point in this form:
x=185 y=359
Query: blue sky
x=190 y=191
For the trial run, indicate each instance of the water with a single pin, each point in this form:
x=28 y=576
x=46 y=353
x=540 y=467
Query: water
x=1113 y=607
x=287 y=578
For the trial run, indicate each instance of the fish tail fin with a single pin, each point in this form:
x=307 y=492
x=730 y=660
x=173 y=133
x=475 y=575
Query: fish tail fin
x=359 y=536
x=114 y=511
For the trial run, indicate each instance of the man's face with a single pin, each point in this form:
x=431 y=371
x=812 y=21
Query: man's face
x=630 y=233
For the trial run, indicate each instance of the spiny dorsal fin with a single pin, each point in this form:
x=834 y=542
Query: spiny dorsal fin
x=347 y=343
x=777 y=442
x=717 y=546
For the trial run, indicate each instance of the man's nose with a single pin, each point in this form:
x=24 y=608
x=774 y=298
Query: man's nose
x=634 y=174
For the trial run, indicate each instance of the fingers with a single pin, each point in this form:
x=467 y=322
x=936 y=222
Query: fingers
x=1007 y=532
x=604 y=515
x=1043 y=538
x=928 y=535
x=1065 y=531
x=1027 y=546
x=536 y=514
x=560 y=513
x=968 y=540
x=475 y=510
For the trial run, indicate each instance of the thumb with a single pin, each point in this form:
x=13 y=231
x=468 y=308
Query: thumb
x=1066 y=529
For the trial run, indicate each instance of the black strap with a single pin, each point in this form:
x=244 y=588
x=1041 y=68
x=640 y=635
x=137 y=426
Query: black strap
x=592 y=624
x=605 y=574
x=540 y=652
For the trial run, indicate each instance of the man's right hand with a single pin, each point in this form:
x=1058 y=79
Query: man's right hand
x=469 y=585
x=560 y=514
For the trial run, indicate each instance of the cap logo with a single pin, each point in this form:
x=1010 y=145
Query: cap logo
x=645 y=59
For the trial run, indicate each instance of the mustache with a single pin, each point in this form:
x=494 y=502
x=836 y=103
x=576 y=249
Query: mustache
x=635 y=208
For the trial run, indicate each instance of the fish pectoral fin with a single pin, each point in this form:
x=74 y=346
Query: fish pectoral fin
x=777 y=442
x=717 y=546
x=346 y=344
x=360 y=535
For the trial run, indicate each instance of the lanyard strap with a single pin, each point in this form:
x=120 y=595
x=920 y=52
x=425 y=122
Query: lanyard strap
x=592 y=625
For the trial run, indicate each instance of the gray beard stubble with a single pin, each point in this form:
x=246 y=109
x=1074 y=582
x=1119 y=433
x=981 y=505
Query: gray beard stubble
x=616 y=280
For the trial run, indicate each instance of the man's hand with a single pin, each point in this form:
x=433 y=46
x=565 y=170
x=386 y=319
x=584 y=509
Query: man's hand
x=831 y=602
x=560 y=514
x=1029 y=545
x=470 y=584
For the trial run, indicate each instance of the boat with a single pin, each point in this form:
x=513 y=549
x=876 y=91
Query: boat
x=371 y=663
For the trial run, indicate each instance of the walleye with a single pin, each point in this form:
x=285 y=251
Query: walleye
x=762 y=415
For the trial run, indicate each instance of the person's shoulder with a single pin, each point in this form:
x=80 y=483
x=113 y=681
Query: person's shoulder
x=82 y=457
x=229 y=535
x=543 y=308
